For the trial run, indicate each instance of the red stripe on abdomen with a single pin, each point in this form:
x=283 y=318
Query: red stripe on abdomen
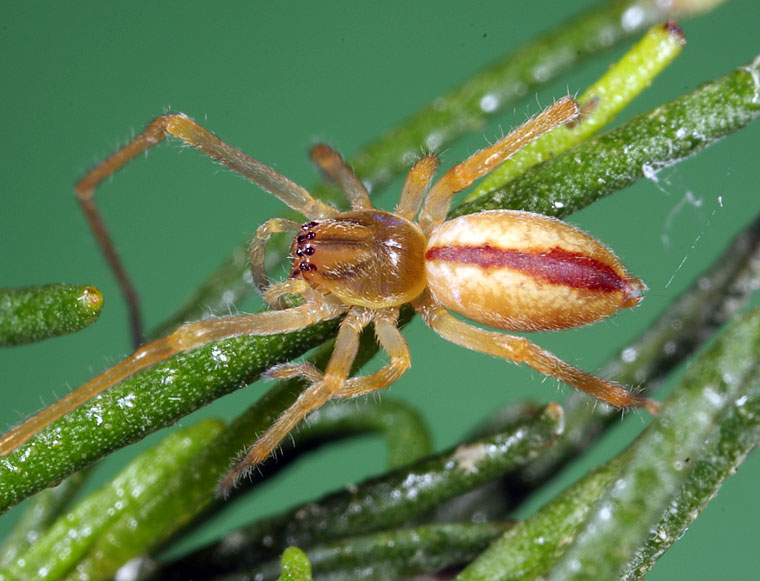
x=555 y=266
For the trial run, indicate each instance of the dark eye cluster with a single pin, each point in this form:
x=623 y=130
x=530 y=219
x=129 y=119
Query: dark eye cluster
x=304 y=249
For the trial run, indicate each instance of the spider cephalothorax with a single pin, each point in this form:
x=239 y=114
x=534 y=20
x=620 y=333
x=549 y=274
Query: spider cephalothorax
x=367 y=258
x=515 y=271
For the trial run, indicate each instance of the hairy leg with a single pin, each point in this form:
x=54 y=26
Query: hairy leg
x=416 y=184
x=182 y=127
x=390 y=339
x=520 y=349
x=313 y=397
x=486 y=160
x=187 y=337
x=333 y=164
x=258 y=248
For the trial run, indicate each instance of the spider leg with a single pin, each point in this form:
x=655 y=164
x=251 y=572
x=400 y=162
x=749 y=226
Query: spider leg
x=294 y=286
x=180 y=126
x=333 y=164
x=304 y=369
x=338 y=368
x=258 y=248
x=390 y=339
x=486 y=160
x=416 y=184
x=185 y=338
x=519 y=349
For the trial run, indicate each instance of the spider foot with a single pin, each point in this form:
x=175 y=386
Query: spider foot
x=290 y=370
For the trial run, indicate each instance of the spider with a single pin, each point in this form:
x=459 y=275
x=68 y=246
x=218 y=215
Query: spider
x=512 y=270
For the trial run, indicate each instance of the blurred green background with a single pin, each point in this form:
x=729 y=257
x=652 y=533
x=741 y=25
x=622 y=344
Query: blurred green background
x=272 y=79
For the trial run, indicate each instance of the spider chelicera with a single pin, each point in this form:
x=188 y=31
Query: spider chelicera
x=516 y=271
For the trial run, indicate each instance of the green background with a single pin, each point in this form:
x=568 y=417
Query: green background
x=272 y=79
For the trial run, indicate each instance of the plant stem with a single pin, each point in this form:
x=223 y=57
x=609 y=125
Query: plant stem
x=39 y=514
x=39 y=312
x=662 y=458
x=593 y=530
x=639 y=148
x=394 y=554
x=142 y=404
x=605 y=98
x=84 y=538
x=380 y=502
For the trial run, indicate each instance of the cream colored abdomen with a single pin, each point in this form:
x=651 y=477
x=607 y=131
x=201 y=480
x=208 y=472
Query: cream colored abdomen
x=525 y=272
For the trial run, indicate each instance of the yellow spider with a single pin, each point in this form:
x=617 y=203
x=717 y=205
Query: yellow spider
x=516 y=271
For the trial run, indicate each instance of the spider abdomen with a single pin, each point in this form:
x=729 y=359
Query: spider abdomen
x=367 y=258
x=525 y=272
